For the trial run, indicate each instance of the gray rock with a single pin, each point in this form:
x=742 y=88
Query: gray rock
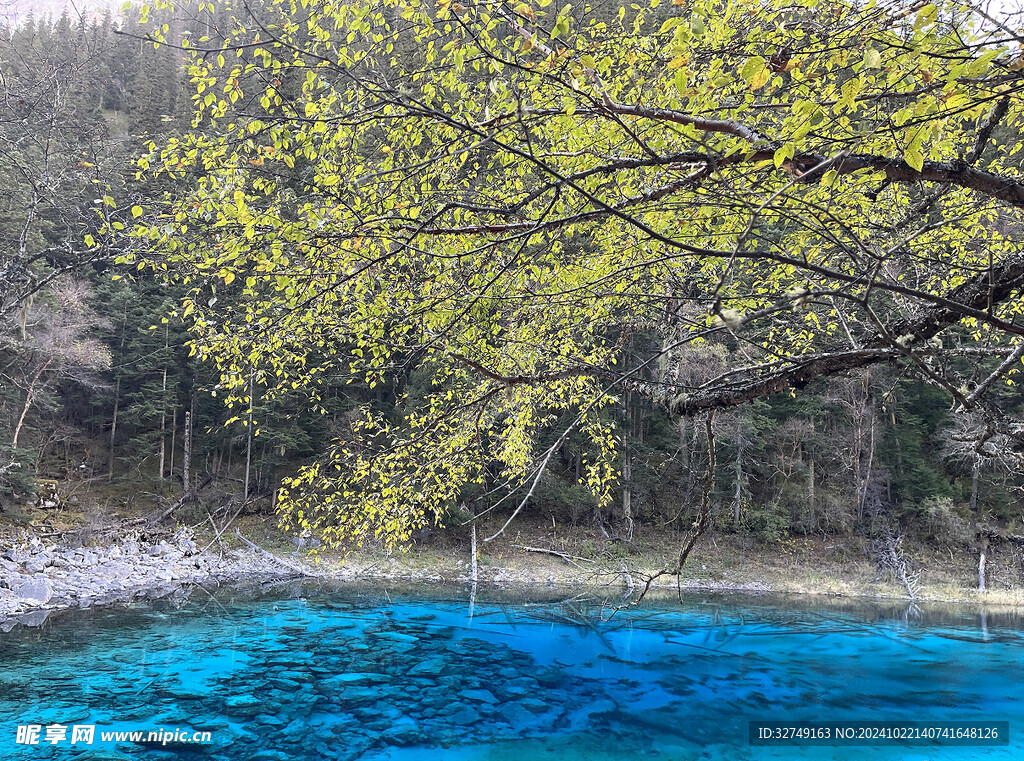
x=37 y=589
x=117 y=568
x=9 y=565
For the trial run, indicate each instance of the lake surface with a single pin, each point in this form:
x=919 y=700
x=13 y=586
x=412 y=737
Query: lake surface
x=352 y=673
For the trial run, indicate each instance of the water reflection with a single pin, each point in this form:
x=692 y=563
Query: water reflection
x=298 y=672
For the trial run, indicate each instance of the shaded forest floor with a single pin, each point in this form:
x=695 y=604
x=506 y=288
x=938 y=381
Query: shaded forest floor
x=721 y=561
x=532 y=551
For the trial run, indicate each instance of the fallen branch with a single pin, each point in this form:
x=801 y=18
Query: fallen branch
x=275 y=558
x=188 y=496
x=219 y=533
x=556 y=553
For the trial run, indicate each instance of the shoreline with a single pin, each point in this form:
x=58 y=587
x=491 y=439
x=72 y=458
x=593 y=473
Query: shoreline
x=38 y=579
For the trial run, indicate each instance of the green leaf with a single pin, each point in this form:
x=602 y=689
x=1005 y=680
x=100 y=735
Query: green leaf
x=914 y=155
x=783 y=153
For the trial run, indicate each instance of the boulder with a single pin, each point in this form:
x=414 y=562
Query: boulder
x=8 y=565
x=37 y=589
x=38 y=563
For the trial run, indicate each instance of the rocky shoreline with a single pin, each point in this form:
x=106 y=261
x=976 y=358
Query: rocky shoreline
x=37 y=579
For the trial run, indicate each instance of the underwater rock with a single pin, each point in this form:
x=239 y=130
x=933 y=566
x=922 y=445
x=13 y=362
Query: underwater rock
x=285 y=685
x=534 y=706
x=270 y=755
x=403 y=732
x=516 y=715
x=478 y=696
x=432 y=667
x=35 y=618
x=397 y=637
x=243 y=705
x=465 y=716
x=549 y=677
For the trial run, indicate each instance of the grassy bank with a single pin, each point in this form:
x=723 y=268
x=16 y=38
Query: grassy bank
x=833 y=566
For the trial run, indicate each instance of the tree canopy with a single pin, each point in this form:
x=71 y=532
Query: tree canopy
x=501 y=198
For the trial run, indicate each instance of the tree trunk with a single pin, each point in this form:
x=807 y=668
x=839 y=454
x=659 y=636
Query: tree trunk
x=810 y=490
x=188 y=450
x=627 y=466
x=29 y=396
x=975 y=474
x=472 y=552
x=174 y=440
x=738 y=497
x=684 y=444
x=982 y=539
x=113 y=429
x=248 y=446
x=163 y=414
x=981 y=565
x=627 y=492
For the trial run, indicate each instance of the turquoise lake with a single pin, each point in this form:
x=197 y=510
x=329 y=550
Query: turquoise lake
x=353 y=673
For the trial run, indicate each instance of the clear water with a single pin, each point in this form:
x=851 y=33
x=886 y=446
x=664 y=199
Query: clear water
x=373 y=675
